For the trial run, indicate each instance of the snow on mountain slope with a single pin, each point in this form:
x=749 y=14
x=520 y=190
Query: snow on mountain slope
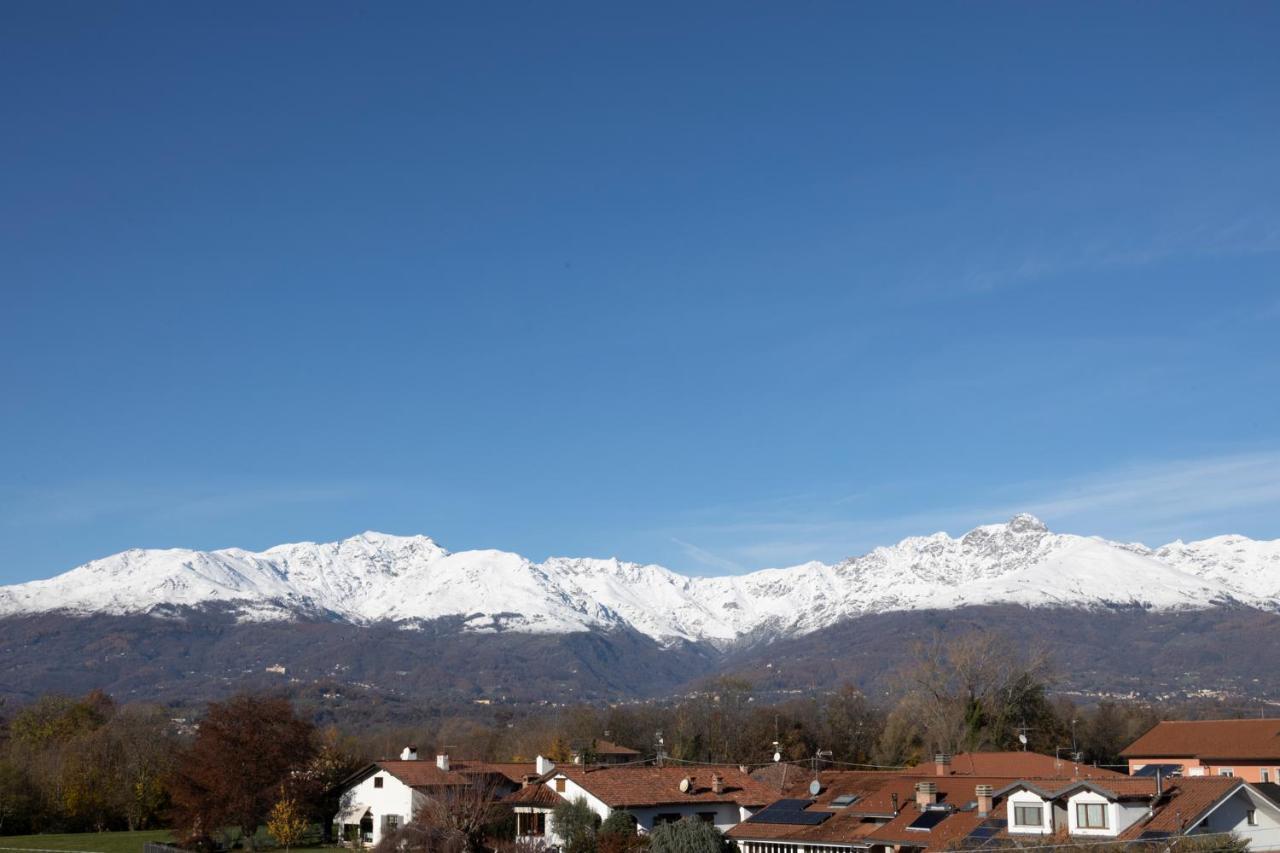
x=410 y=579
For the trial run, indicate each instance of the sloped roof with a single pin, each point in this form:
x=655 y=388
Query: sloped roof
x=640 y=785
x=534 y=795
x=514 y=771
x=422 y=774
x=1184 y=800
x=605 y=747
x=1012 y=764
x=1243 y=739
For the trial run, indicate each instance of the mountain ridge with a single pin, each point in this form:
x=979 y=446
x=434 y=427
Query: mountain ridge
x=411 y=580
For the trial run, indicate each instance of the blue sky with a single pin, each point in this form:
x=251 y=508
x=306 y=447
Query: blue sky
x=720 y=285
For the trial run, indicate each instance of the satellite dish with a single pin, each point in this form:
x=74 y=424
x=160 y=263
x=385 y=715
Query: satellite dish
x=777 y=756
x=1022 y=739
x=815 y=788
x=685 y=785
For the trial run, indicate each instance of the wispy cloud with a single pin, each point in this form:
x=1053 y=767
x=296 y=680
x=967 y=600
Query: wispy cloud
x=1151 y=502
x=706 y=558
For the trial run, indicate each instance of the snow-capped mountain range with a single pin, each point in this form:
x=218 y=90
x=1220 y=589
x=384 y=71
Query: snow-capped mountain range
x=377 y=577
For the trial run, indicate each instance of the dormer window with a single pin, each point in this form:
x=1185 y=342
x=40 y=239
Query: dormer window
x=1091 y=815
x=1028 y=816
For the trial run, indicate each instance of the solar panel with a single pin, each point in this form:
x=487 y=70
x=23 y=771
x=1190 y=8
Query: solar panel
x=789 y=812
x=1162 y=769
x=1154 y=835
x=845 y=800
x=928 y=820
x=987 y=830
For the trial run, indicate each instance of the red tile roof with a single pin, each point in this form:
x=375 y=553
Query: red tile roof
x=534 y=795
x=1012 y=764
x=640 y=785
x=869 y=819
x=1228 y=739
x=422 y=774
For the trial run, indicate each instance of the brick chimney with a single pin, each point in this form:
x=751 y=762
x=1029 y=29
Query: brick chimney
x=717 y=783
x=942 y=764
x=926 y=794
x=442 y=761
x=983 y=794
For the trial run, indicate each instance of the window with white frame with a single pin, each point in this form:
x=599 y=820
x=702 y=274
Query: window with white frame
x=1266 y=775
x=1226 y=771
x=1028 y=815
x=1091 y=815
x=1251 y=817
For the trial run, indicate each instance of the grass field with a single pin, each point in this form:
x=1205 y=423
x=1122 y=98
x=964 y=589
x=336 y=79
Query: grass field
x=86 y=842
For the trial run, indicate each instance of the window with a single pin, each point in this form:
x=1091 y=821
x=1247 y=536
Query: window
x=377 y=781
x=534 y=823
x=666 y=817
x=707 y=817
x=1028 y=815
x=390 y=823
x=1266 y=775
x=1251 y=817
x=1226 y=771
x=559 y=786
x=1091 y=815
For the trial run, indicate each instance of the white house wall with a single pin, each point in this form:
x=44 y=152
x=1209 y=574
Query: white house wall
x=1232 y=814
x=393 y=798
x=1028 y=798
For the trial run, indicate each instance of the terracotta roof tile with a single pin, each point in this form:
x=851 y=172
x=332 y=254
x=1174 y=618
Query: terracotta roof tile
x=534 y=795
x=1244 y=739
x=640 y=785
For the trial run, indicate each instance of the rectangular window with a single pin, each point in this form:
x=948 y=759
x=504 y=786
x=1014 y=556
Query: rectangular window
x=1266 y=775
x=666 y=817
x=534 y=823
x=390 y=823
x=1028 y=816
x=707 y=817
x=559 y=786
x=1226 y=771
x=377 y=781
x=1091 y=815
x=1251 y=817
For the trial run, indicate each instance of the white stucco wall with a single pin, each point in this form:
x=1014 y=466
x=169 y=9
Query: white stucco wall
x=393 y=798
x=1232 y=816
x=1028 y=798
x=1120 y=815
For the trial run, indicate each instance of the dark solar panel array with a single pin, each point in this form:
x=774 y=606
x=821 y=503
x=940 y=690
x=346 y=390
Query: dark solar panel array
x=987 y=829
x=1154 y=835
x=1162 y=769
x=928 y=820
x=789 y=812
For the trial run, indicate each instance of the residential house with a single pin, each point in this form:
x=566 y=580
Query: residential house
x=882 y=812
x=1244 y=749
x=721 y=795
x=600 y=751
x=381 y=797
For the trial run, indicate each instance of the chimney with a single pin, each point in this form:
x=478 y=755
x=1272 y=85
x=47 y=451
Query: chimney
x=926 y=794
x=942 y=764
x=409 y=753
x=717 y=783
x=543 y=765
x=893 y=798
x=983 y=794
x=442 y=761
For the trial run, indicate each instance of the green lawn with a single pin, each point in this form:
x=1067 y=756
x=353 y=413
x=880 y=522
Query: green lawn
x=86 y=842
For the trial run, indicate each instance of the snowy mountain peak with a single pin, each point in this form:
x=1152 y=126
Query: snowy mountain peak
x=375 y=576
